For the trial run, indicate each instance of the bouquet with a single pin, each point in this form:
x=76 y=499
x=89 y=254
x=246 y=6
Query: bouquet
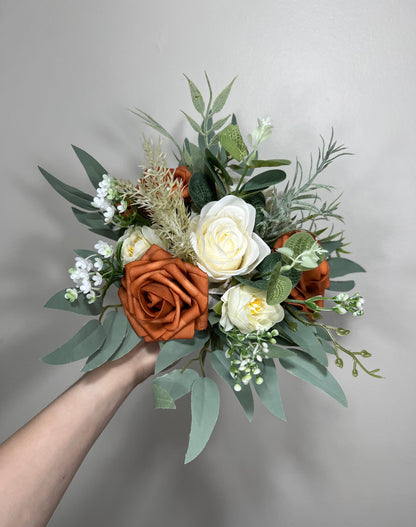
x=224 y=260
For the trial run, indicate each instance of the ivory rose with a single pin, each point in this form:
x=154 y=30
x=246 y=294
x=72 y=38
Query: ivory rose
x=246 y=308
x=223 y=239
x=136 y=241
x=163 y=297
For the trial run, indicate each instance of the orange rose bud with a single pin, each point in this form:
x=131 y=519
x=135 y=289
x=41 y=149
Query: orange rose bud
x=163 y=297
x=312 y=282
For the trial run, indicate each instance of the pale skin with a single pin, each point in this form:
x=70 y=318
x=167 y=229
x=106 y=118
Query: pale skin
x=38 y=462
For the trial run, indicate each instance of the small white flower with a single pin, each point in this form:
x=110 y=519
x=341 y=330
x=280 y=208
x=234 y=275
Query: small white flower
x=109 y=214
x=97 y=279
x=85 y=287
x=262 y=132
x=91 y=297
x=104 y=249
x=122 y=207
x=71 y=294
x=82 y=264
x=98 y=264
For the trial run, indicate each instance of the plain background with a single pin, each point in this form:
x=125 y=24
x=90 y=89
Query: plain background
x=69 y=73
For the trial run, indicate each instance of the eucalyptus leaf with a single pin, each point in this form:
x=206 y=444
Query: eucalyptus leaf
x=306 y=368
x=205 y=404
x=220 y=123
x=259 y=284
x=193 y=156
x=258 y=201
x=343 y=266
x=269 y=392
x=213 y=162
x=277 y=352
x=87 y=341
x=201 y=189
x=177 y=383
x=342 y=285
x=259 y=163
x=197 y=99
x=263 y=181
x=221 y=99
x=221 y=365
x=193 y=123
x=115 y=326
x=161 y=398
x=172 y=350
x=332 y=246
x=94 y=220
x=305 y=337
x=71 y=194
x=131 y=340
x=108 y=232
x=85 y=253
x=79 y=306
x=94 y=170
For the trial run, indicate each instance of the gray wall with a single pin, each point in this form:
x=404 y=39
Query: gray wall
x=69 y=73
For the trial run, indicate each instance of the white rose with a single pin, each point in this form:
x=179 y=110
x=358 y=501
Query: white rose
x=136 y=241
x=245 y=308
x=223 y=239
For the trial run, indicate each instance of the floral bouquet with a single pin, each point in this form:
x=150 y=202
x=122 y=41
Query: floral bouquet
x=217 y=259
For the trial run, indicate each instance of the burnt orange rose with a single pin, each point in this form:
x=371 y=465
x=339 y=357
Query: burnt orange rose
x=163 y=297
x=311 y=283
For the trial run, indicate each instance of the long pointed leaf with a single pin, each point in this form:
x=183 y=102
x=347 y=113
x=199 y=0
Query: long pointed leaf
x=73 y=195
x=305 y=337
x=269 y=392
x=115 y=327
x=221 y=99
x=173 y=350
x=87 y=341
x=221 y=365
x=205 y=405
x=197 y=99
x=94 y=170
x=131 y=340
x=342 y=266
x=79 y=306
x=177 y=384
x=303 y=366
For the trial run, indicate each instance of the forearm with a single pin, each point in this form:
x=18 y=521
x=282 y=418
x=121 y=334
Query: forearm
x=39 y=461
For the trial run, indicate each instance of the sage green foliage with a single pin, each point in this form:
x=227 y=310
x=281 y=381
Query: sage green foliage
x=79 y=306
x=342 y=266
x=279 y=287
x=221 y=365
x=88 y=340
x=300 y=206
x=94 y=170
x=161 y=398
x=269 y=392
x=173 y=350
x=205 y=404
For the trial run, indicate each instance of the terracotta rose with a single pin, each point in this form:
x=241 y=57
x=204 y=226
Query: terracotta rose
x=163 y=297
x=311 y=283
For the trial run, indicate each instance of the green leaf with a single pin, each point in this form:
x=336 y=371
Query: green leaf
x=108 y=232
x=87 y=341
x=173 y=350
x=79 y=306
x=193 y=156
x=205 y=405
x=220 y=123
x=115 y=326
x=332 y=246
x=94 y=170
x=279 y=287
x=259 y=284
x=161 y=398
x=71 y=194
x=213 y=162
x=269 y=392
x=221 y=365
x=94 y=220
x=343 y=266
x=267 y=265
x=221 y=99
x=303 y=366
x=232 y=141
x=259 y=203
x=277 y=352
x=263 y=181
x=258 y=163
x=177 y=384
x=305 y=337
x=197 y=99
x=342 y=286
x=131 y=340
x=193 y=123
x=201 y=189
